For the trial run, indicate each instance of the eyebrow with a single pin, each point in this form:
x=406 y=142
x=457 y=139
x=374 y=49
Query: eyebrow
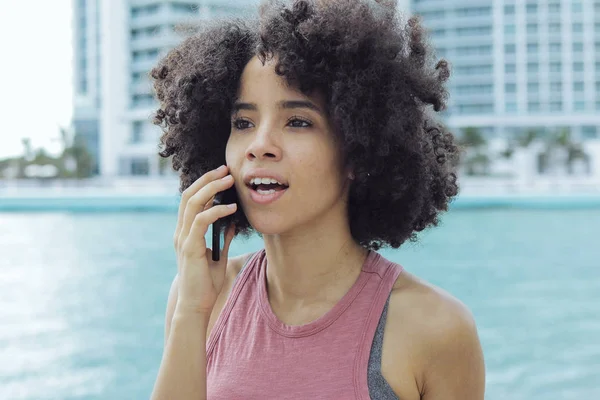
x=286 y=104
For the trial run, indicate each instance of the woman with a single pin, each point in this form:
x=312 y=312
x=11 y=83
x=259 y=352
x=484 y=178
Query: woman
x=320 y=112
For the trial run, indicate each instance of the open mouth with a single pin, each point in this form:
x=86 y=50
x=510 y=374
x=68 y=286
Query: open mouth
x=267 y=188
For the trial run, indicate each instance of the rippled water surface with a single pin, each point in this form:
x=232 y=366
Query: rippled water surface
x=82 y=299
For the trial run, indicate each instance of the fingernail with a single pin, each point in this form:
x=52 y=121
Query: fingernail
x=232 y=205
x=221 y=168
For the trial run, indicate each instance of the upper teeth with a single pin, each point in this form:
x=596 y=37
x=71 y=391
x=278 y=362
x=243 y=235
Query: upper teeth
x=264 y=181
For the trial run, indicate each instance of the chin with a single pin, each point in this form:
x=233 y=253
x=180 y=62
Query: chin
x=267 y=224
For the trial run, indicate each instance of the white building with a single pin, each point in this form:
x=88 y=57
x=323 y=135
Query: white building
x=519 y=64
x=516 y=65
x=86 y=75
x=116 y=43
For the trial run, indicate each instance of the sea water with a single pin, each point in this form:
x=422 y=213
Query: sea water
x=83 y=295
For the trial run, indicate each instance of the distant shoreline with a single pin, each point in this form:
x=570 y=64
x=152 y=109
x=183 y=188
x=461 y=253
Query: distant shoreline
x=103 y=200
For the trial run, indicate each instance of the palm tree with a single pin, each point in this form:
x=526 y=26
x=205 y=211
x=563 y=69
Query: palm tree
x=562 y=140
x=473 y=142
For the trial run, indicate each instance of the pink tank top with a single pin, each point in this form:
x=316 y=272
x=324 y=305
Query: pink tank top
x=252 y=355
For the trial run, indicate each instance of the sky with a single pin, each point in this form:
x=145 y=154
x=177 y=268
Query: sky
x=35 y=72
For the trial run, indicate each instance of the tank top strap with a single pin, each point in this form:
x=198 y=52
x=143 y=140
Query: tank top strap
x=387 y=273
x=238 y=284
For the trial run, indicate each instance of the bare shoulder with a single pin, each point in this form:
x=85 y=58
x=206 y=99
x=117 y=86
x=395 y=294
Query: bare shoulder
x=432 y=336
x=235 y=264
x=427 y=306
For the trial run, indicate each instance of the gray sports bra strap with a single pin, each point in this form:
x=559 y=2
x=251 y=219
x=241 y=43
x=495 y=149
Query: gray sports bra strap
x=379 y=388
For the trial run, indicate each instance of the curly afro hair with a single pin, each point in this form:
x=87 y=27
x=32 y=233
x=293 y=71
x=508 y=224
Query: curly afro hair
x=381 y=83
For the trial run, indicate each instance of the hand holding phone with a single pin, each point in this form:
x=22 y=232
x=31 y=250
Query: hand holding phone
x=201 y=279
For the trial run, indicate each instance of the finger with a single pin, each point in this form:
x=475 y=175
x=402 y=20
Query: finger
x=192 y=189
x=198 y=203
x=195 y=243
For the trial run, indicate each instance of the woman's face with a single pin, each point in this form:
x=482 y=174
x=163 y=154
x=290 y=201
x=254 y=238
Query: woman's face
x=279 y=134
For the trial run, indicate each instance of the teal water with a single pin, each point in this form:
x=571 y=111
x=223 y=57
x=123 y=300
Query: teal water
x=82 y=299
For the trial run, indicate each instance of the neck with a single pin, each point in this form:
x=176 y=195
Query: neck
x=313 y=264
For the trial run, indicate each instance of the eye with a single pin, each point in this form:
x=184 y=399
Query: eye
x=241 y=124
x=297 y=122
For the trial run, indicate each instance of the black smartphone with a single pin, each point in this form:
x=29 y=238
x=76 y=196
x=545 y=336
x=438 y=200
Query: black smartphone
x=226 y=197
x=216 y=230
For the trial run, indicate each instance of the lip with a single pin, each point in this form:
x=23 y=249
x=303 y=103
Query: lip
x=264 y=199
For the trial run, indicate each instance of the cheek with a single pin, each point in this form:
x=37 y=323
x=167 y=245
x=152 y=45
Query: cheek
x=324 y=163
x=231 y=154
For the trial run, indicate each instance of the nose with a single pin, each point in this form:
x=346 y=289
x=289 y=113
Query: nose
x=264 y=146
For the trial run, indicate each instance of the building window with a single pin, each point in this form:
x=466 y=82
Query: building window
x=532 y=8
x=510 y=48
x=181 y=7
x=556 y=106
x=555 y=66
x=579 y=105
x=475 y=108
x=140 y=166
x=473 y=69
x=142 y=100
x=554 y=7
x=533 y=87
x=510 y=68
x=556 y=86
x=137 y=77
x=578 y=86
x=473 y=11
x=578 y=66
x=136 y=132
x=533 y=106
x=473 y=50
x=509 y=9
x=474 y=89
x=83 y=85
x=532 y=28
x=533 y=67
x=578 y=47
x=438 y=33
x=145 y=32
x=554 y=27
x=429 y=15
x=577 y=6
x=509 y=29
x=511 y=107
x=555 y=47
x=472 y=31
x=577 y=27
x=532 y=47
x=510 y=87
x=145 y=10
x=589 y=131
